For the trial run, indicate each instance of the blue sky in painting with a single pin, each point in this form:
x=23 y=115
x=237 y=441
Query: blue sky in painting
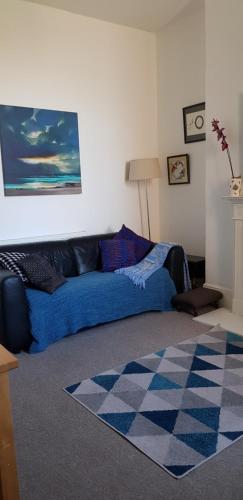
x=38 y=144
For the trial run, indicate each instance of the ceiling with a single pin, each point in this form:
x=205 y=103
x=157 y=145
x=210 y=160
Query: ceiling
x=149 y=15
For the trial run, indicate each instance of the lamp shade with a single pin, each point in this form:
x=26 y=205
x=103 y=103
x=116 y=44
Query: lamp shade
x=147 y=168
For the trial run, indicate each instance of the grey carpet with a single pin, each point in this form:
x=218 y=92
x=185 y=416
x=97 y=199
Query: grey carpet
x=65 y=453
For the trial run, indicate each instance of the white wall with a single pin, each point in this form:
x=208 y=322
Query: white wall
x=181 y=62
x=106 y=73
x=224 y=96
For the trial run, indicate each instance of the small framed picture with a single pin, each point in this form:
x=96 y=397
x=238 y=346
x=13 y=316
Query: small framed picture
x=178 y=169
x=194 y=123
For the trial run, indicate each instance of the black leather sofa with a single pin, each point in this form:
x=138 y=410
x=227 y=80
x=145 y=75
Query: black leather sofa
x=65 y=256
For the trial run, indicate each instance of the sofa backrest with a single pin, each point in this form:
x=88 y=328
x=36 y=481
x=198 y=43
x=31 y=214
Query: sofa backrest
x=69 y=257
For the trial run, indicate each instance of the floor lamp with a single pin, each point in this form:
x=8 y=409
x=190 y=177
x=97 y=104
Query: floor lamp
x=144 y=170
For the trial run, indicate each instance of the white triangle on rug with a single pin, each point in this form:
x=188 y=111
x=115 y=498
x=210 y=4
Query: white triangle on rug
x=154 y=446
x=236 y=388
x=239 y=357
x=173 y=352
x=109 y=372
x=188 y=341
x=141 y=379
x=150 y=356
x=153 y=403
x=167 y=366
x=89 y=387
x=180 y=454
x=236 y=371
x=217 y=360
x=216 y=376
x=222 y=442
x=213 y=394
x=206 y=339
x=124 y=385
x=141 y=426
x=228 y=422
x=112 y=404
x=184 y=422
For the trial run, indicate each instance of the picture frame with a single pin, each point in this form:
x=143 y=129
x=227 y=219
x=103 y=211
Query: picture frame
x=178 y=167
x=40 y=151
x=194 y=123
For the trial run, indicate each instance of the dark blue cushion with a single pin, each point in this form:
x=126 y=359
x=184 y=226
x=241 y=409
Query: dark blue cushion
x=116 y=254
x=142 y=245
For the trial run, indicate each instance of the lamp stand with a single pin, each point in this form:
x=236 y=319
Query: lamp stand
x=147 y=204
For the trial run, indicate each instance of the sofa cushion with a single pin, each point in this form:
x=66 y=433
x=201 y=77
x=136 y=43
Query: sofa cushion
x=86 y=257
x=62 y=258
x=142 y=245
x=40 y=273
x=10 y=261
x=116 y=254
x=87 y=252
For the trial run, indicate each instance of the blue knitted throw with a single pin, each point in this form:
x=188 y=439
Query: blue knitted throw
x=140 y=272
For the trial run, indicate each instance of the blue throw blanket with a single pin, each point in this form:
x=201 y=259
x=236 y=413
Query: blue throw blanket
x=151 y=263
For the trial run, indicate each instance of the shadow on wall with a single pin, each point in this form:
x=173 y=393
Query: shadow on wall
x=241 y=134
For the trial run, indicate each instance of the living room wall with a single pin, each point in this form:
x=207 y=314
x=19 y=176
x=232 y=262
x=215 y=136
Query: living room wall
x=224 y=96
x=107 y=74
x=181 y=63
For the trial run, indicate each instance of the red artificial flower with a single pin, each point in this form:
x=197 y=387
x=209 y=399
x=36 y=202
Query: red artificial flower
x=221 y=137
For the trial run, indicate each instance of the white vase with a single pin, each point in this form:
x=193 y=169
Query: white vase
x=235 y=186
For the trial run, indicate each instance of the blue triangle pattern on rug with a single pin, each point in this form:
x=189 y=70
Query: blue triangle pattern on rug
x=72 y=388
x=106 y=381
x=205 y=444
x=135 y=367
x=121 y=421
x=233 y=349
x=179 y=470
x=164 y=419
x=200 y=364
x=159 y=383
x=208 y=416
x=232 y=435
x=203 y=350
x=175 y=407
x=195 y=380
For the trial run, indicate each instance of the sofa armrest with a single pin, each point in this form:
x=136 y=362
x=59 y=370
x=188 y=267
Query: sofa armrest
x=14 y=320
x=175 y=265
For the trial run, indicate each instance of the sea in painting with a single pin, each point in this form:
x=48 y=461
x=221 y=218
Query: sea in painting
x=40 y=151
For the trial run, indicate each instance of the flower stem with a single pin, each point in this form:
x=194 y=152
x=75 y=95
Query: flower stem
x=230 y=162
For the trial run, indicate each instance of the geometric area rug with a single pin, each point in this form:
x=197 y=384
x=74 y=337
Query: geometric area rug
x=179 y=406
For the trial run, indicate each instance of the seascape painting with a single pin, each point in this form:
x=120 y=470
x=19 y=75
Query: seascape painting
x=40 y=151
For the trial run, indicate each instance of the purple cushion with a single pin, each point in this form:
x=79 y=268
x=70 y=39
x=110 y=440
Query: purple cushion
x=142 y=246
x=116 y=254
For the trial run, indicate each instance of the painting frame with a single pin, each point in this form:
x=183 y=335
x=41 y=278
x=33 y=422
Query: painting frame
x=40 y=151
x=178 y=168
x=194 y=123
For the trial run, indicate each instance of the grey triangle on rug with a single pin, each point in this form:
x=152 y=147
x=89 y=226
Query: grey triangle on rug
x=180 y=406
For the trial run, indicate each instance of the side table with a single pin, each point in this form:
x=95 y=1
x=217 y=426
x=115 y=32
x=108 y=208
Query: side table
x=196 y=266
x=8 y=472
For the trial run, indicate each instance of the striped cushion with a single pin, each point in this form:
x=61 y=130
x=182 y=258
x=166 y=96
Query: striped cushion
x=142 y=245
x=9 y=261
x=116 y=254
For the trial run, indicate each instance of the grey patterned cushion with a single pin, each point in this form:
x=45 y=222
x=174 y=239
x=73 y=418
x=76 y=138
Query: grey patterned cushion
x=41 y=274
x=10 y=261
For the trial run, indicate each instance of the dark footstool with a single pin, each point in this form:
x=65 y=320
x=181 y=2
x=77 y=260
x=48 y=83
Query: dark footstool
x=195 y=301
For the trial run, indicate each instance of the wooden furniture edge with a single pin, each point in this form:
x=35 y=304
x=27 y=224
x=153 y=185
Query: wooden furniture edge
x=7 y=360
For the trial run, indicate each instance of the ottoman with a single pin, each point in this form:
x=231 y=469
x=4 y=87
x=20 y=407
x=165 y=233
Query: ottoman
x=197 y=300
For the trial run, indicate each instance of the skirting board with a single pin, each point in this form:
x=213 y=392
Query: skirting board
x=224 y=317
